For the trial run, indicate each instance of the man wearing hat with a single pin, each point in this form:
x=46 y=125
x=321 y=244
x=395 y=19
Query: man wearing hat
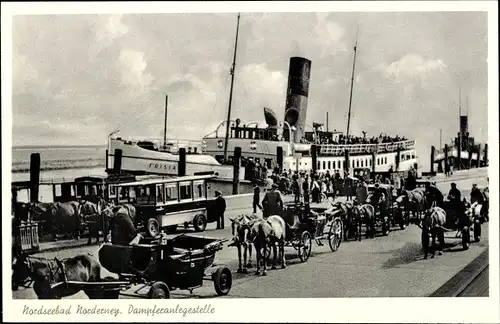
x=220 y=208
x=272 y=202
x=433 y=195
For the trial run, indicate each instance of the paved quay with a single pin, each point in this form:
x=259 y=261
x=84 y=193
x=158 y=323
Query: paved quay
x=391 y=266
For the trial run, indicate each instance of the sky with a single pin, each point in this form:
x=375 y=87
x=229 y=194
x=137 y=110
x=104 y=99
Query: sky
x=77 y=78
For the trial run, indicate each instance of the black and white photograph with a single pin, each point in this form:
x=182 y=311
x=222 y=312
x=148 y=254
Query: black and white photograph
x=268 y=150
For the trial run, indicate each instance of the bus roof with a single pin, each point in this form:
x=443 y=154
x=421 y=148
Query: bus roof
x=168 y=180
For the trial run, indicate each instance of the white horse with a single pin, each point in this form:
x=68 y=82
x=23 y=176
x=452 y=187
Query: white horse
x=240 y=227
x=269 y=232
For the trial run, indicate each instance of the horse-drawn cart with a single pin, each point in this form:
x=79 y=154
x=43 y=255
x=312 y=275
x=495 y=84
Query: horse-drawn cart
x=183 y=263
x=462 y=224
x=302 y=227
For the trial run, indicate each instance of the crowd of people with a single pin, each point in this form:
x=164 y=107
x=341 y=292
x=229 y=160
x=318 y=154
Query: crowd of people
x=351 y=139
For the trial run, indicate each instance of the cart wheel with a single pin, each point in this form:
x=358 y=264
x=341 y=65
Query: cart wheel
x=477 y=231
x=335 y=235
x=305 y=246
x=223 y=280
x=153 y=228
x=159 y=290
x=200 y=223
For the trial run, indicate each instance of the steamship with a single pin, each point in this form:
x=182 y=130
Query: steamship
x=286 y=143
x=462 y=153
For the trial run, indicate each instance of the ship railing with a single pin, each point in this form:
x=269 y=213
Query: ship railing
x=173 y=142
x=338 y=149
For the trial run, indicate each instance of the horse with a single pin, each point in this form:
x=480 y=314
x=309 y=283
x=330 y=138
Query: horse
x=414 y=201
x=267 y=232
x=58 y=218
x=348 y=218
x=44 y=273
x=94 y=217
x=365 y=213
x=433 y=225
x=240 y=227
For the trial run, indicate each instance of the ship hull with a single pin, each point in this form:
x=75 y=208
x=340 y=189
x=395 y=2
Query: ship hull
x=137 y=160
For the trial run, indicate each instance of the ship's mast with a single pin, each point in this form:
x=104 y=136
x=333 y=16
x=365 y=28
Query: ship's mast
x=165 y=125
x=352 y=84
x=231 y=89
x=459 y=150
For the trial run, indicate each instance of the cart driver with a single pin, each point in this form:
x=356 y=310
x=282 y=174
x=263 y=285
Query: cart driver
x=123 y=231
x=379 y=199
x=433 y=195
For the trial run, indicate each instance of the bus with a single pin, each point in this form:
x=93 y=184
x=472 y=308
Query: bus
x=167 y=203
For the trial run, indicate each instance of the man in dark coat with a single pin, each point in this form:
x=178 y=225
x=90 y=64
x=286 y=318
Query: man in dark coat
x=433 y=194
x=256 y=198
x=220 y=208
x=123 y=231
x=476 y=195
x=272 y=202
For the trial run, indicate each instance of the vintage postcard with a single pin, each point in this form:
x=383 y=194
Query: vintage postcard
x=250 y=161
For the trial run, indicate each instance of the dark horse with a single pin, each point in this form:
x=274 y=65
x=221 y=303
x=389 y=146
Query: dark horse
x=94 y=217
x=46 y=273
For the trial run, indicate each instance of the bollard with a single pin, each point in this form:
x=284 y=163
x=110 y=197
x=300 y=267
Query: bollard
x=314 y=157
x=279 y=158
x=117 y=161
x=34 y=176
x=346 y=156
x=374 y=159
x=398 y=158
x=433 y=153
x=236 y=170
x=181 y=168
x=107 y=160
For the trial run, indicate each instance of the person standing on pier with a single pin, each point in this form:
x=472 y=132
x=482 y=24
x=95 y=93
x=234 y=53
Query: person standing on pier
x=220 y=209
x=256 y=198
x=296 y=188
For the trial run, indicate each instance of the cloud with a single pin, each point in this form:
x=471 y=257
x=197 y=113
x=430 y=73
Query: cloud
x=113 y=29
x=411 y=67
x=103 y=72
x=132 y=66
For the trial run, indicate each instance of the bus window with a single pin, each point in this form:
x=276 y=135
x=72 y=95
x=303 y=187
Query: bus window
x=159 y=193
x=171 y=194
x=199 y=189
x=123 y=194
x=112 y=191
x=144 y=194
x=185 y=189
x=80 y=190
x=57 y=190
x=131 y=194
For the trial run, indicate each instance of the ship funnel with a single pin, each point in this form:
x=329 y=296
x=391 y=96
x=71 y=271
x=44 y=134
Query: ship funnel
x=297 y=93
